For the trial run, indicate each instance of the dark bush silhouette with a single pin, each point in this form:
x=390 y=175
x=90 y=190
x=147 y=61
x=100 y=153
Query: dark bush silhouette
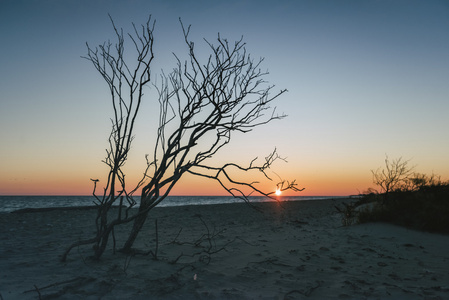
x=404 y=198
x=425 y=209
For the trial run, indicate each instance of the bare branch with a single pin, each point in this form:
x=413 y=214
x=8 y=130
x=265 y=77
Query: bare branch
x=202 y=104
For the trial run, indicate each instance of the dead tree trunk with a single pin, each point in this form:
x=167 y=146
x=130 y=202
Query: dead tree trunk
x=202 y=103
x=137 y=226
x=215 y=98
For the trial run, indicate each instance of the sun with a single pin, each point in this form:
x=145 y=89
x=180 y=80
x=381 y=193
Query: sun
x=278 y=192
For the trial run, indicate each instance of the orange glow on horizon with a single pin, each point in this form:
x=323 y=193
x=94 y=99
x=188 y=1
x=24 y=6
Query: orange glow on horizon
x=189 y=187
x=77 y=183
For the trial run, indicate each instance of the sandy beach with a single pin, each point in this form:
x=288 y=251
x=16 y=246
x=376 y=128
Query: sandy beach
x=227 y=251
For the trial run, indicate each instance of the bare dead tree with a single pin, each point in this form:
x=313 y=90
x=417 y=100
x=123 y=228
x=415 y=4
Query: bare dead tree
x=201 y=104
x=393 y=176
x=125 y=85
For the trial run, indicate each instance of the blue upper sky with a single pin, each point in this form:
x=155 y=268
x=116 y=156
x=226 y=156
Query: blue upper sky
x=365 y=79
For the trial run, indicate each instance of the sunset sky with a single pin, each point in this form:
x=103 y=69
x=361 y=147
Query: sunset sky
x=365 y=79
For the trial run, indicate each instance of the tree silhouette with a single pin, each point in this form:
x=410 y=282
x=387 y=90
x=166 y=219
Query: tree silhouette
x=201 y=104
x=393 y=177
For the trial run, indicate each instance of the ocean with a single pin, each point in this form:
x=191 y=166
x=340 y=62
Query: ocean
x=12 y=203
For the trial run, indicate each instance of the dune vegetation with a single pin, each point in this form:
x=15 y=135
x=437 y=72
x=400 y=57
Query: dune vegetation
x=403 y=197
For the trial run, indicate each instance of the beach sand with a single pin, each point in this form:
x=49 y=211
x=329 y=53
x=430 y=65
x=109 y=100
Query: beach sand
x=227 y=251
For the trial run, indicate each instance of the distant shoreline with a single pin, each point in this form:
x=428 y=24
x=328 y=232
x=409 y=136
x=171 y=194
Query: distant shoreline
x=91 y=207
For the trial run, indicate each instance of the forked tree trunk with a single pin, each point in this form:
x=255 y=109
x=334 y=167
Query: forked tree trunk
x=137 y=226
x=225 y=95
x=102 y=243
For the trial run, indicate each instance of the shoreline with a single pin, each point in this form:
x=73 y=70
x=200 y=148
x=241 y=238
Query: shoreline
x=14 y=203
x=224 y=251
x=91 y=207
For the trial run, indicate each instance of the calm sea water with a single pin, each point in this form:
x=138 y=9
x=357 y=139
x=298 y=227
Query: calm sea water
x=11 y=203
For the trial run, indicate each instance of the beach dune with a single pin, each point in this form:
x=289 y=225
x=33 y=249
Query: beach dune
x=226 y=251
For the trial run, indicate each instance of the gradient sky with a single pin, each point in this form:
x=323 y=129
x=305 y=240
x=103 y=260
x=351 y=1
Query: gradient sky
x=365 y=79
